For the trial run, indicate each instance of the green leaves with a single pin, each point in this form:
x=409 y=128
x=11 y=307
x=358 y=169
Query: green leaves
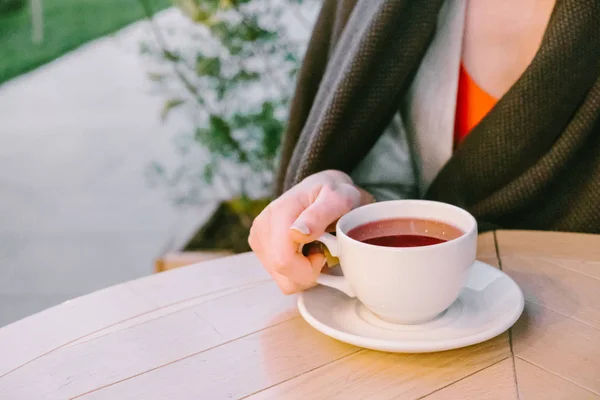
x=220 y=126
x=272 y=131
x=171 y=56
x=201 y=10
x=267 y=127
x=217 y=138
x=155 y=77
x=198 y=10
x=208 y=66
x=211 y=67
x=291 y=57
x=238 y=83
x=209 y=173
x=234 y=36
x=246 y=76
x=224 y=84
x=250 y=31
x=169 y=105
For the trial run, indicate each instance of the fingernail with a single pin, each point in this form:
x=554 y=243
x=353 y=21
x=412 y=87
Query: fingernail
x=301 y=227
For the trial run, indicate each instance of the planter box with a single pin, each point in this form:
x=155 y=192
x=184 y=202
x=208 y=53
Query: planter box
x=181 y=259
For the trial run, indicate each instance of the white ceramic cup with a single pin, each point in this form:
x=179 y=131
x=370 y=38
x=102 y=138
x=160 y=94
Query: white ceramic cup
x=404 y=285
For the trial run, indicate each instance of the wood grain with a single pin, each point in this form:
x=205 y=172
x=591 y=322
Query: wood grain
x=496 y=382
x=180 y=259
x=536 y=383
x=235 y=369
x=486 y=249
x=581 y=250
x=377 y=375
x=150 y=345
x=186 y=283
x=51 y=329
x=560 y=345
x=560 y=329
x=162 y=311
x=222 y=330
x=41 y=333
x=486 y=245
x=551 y=285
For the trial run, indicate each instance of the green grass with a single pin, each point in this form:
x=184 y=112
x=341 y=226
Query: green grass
x=67 y=25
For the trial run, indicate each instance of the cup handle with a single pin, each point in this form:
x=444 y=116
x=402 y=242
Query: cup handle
x=337 y=282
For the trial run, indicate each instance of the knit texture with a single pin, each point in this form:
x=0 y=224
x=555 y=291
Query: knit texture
x=532 y=163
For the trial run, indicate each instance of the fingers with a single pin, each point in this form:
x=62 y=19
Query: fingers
x=299 y=217
x=272 y=243
x=294 y=277
x=295 y=266
x=317 y=262
x=329 y=205
x=285 y=284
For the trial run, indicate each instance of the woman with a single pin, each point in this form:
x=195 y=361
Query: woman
x=490 y=105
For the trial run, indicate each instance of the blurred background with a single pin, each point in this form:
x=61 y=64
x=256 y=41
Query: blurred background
x=136 y=136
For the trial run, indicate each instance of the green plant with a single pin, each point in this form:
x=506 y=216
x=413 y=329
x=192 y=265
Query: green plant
x=231 y=72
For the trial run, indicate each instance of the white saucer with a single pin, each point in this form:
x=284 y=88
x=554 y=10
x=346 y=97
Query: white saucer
x=490 y=303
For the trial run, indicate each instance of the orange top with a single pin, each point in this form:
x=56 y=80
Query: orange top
x=472 y=104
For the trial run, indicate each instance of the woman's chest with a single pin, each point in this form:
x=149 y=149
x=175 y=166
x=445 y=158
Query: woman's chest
x=501 y=38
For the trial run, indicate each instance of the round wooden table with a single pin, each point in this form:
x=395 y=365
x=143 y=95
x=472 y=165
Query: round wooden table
x=222 y=330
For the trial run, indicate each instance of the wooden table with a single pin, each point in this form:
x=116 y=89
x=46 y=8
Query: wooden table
x=221 y=330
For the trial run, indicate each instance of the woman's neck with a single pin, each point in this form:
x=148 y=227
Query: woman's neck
x=501 y=39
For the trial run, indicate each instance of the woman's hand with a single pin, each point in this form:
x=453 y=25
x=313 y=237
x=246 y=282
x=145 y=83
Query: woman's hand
x=300 y=216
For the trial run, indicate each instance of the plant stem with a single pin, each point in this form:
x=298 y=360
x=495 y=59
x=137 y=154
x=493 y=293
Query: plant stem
x=165 y=50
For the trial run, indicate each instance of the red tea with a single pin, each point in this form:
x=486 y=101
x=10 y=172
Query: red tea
x=405 y=232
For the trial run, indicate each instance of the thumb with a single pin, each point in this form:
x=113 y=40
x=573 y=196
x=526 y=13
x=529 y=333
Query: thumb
x=329 y=205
